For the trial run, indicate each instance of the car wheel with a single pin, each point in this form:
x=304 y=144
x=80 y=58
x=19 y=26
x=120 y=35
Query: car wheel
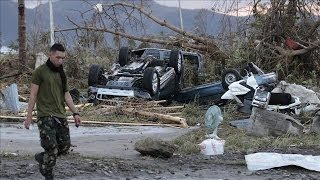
x=96 y=75
x=229 y=76
x=124 y=56
x=176 y=61
x=151 y=81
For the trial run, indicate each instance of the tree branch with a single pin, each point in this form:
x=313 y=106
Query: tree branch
x=142 y=39
x=204 y=41
x=314 y=28
x=179 y=42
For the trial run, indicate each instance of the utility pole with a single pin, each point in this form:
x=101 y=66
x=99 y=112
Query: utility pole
x=51 y=23
x=22 y=36
x=181 y=22
x=237 y=15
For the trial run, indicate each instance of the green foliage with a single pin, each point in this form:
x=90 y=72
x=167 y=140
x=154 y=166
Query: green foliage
x=131 y=43
x=188 y=143
x=212 y=68
x=193 y=114
x=143 y=45
x=81 y=58
x=190 y=74
x=310 y=79
x=240 y=55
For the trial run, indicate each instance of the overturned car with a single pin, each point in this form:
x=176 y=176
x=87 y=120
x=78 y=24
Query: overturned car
x=149 y=73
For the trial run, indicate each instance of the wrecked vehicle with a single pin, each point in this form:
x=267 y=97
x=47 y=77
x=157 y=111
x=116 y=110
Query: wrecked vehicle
x=254 y=90
x=149 y=73
x=203 y=94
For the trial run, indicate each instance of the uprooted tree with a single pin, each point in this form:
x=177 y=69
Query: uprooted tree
x=123 y=17
x=284 y=34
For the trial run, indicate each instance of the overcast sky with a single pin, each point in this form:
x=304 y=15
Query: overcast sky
x=222 y=6
x=186 y=4
x=199 y=4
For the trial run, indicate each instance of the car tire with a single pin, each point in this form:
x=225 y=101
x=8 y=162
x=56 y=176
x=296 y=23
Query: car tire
x=178 y=84
x=124 y=56
x=175 y=61
x=151 y=81
x=96 y=75
x=229 y=76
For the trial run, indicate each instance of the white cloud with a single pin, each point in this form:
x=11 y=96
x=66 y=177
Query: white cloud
x=222 y=6
x=187 y=4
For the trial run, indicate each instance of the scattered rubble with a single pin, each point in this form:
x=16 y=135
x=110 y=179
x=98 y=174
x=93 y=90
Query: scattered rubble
x=160 y=115
x=315 y=126
x=305 y=95
x=270 y=123
x=242 y=123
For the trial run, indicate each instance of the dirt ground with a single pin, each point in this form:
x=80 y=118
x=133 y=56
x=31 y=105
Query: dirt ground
x=107 y=153
x=75 y=166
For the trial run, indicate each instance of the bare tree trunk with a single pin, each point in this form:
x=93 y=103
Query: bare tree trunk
x=22 y=36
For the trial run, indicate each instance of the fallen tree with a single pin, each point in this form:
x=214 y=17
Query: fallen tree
x=112 y=22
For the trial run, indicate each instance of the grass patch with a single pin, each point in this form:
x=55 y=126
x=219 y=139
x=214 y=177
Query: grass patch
x=188 y=143
x=93 y=113
x=193 y=114
x=237 y=140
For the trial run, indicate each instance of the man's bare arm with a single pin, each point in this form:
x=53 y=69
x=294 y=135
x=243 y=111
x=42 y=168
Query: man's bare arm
x=70 y=104
x=32 y=101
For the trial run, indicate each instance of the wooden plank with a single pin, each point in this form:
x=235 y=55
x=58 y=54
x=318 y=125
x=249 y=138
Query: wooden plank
x=124 y=124
x=174 y=114
x=14 y=118
x=167 y=108
x=159 y=116
x=165 y=117
x=159 y=102
x=21 y=119
x=80 y=106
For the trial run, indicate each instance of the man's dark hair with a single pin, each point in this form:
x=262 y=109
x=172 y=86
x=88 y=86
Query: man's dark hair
x=57 y=47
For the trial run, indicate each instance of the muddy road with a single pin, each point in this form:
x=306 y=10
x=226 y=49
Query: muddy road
x=107 y=153
x=97 y=141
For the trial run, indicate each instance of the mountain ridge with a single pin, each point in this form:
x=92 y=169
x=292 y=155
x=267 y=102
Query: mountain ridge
x=9 y=19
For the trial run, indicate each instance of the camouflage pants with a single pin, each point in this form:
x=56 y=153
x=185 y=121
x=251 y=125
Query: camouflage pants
x=55 y=140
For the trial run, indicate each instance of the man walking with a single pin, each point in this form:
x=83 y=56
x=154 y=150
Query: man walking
x=49 y=90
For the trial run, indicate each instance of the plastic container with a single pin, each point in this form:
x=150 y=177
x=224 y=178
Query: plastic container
x=212 y=147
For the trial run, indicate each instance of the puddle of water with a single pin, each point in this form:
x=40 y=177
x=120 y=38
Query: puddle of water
x=17 y=131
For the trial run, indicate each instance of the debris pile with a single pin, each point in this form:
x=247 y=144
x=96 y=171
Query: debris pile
x=275 y=108
x=156 y=114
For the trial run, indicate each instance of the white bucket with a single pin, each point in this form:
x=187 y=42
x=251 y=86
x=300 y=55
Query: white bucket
x=212 y=147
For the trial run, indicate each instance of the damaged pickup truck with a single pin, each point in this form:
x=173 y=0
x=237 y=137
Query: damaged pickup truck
x=149 y=73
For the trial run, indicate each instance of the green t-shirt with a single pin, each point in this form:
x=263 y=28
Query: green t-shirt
x=50 y=97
